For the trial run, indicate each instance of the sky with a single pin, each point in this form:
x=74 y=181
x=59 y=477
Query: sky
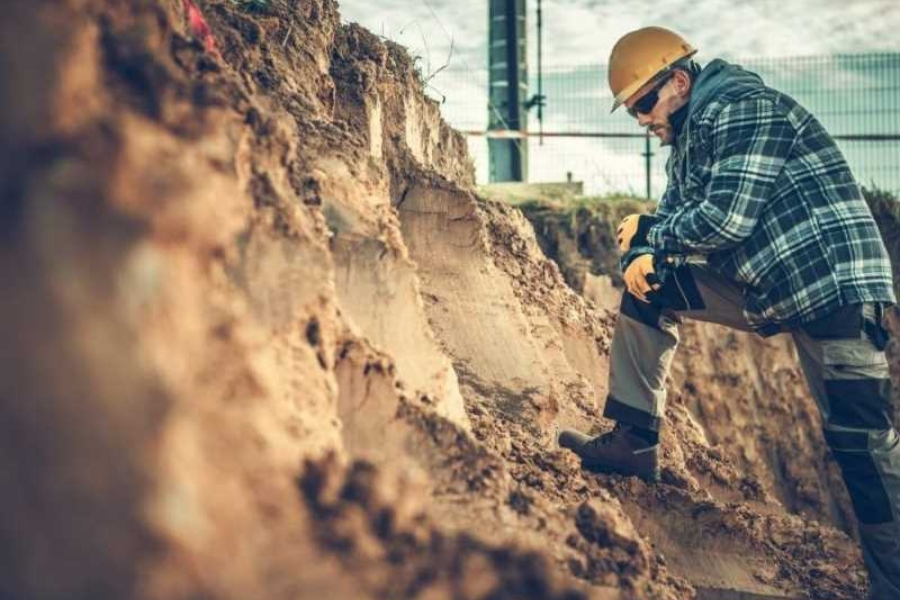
x=450 y=39
x=584 y=31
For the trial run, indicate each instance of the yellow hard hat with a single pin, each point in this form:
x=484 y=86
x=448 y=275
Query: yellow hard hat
x=639 y=56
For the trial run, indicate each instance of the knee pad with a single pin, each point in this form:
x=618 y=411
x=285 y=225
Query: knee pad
x=648 y=314
x=870 y=464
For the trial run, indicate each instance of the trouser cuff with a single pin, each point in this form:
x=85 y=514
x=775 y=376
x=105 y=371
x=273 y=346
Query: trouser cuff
x=623 y=413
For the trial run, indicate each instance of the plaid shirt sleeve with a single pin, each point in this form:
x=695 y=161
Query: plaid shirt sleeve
x=751 y=141
x=668 y=204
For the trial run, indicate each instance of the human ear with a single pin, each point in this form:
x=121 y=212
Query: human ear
x=682 y=82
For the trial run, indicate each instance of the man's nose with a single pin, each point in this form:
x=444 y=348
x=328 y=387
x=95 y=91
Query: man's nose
x=643 y=120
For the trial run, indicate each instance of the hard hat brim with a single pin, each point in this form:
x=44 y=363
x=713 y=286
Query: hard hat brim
x=632 y=89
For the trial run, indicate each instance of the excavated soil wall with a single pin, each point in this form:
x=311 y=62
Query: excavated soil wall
x=264 y=341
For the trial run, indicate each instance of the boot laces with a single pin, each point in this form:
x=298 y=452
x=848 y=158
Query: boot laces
x=608 y=437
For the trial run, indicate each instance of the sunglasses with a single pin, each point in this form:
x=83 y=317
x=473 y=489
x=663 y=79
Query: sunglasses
x=648 y=101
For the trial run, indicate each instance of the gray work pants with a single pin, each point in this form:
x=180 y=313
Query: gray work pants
x=843 y=360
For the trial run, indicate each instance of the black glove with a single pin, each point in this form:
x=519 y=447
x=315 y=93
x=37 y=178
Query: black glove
x=645 y=222
x=633 y=230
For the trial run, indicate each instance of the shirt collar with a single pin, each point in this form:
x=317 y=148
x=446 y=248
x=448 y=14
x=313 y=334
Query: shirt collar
x=677 y=119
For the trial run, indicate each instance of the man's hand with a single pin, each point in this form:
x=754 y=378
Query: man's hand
x=640 y=277
x=633 y=231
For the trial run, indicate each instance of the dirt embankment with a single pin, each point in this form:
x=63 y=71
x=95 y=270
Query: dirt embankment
x=263 y=341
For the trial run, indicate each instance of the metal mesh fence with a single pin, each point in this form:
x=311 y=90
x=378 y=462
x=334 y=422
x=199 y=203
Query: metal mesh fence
x=856 y=97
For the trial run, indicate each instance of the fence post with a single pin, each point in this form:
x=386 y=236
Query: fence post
x=647 y=165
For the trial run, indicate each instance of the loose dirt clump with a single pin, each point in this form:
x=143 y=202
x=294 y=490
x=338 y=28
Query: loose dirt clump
x=399 y=553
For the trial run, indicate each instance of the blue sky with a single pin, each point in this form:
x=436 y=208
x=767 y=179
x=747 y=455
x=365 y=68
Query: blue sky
x=582 y=32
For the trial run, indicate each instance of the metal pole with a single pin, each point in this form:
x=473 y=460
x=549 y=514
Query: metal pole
x=540 y=92
x=514 y=121
x=648 y=155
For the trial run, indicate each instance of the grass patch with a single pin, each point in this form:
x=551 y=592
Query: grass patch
x=609 y=208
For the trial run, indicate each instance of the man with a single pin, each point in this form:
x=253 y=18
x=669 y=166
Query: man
x=761 y=228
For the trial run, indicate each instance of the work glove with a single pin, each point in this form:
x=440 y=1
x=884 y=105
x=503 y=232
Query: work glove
x=633 y=231
x=640 y=277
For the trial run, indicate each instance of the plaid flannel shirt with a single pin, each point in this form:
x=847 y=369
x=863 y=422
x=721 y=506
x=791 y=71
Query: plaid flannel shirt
x=759 y=188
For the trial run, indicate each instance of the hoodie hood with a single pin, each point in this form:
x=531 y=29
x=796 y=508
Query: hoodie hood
x=719 y=77
x=715 y=81
x=677 y=119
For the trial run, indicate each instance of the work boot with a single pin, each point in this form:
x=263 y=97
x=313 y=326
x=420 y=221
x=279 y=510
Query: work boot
x=619 y=451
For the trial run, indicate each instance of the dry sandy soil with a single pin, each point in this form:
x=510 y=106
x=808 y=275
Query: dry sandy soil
x=262 y=340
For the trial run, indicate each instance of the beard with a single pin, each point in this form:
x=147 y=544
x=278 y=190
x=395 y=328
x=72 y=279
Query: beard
x=663 y=131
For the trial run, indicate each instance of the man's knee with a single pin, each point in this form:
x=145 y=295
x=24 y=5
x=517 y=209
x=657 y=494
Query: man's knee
x=643 y=312
x=679 y=292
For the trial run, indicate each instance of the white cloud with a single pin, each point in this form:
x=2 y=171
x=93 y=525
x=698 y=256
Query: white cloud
x=584 y=31
x=426 y=28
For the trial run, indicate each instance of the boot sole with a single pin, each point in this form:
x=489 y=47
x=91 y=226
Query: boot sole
x=652 y=477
